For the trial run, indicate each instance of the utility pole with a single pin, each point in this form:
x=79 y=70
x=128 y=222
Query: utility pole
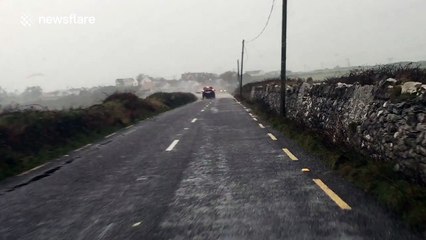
x=238 y=70
x=283 y=60
x=242 y=71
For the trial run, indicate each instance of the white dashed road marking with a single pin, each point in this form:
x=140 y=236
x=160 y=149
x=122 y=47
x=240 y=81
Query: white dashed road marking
x=255 y=119
x=136 y=224
x=194 y=120
x=170 y=148
x=261 y=125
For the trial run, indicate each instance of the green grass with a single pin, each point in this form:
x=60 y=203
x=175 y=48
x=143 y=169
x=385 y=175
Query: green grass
x=394 y=191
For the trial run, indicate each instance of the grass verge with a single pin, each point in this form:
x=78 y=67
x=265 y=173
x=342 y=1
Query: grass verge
x=31 y=137
x=405 y=198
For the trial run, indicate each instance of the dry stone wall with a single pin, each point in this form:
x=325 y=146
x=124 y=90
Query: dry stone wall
x=386 y=121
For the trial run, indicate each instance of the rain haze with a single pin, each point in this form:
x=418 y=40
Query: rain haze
x=212 y=119
x=165 y=38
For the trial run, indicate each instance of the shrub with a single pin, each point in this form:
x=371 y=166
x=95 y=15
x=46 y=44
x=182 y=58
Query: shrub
x=32 y=136
x=173 y=100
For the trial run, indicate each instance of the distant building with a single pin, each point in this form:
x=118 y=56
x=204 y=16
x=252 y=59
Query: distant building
x=126 y=82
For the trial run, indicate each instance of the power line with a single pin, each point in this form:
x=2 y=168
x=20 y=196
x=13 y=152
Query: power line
x=266 y=25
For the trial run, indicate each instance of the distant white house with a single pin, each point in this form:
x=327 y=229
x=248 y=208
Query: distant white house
x=126 y=82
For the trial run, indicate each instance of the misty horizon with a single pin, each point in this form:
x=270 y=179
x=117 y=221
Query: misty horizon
x=168 y=38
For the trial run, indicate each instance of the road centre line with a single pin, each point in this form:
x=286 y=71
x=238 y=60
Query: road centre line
x=290 y=155
x=342 y=204
x=261 y=125
x=170 y=148
x=136 y=224
x=272 y=137
x=194 y=120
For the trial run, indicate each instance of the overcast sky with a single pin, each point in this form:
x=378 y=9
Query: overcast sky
x=169 y=37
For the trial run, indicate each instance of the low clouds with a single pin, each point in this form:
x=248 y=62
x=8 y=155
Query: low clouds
x=169 y=37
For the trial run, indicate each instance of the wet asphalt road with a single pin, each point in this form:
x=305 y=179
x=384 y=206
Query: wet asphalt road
x=208 y=170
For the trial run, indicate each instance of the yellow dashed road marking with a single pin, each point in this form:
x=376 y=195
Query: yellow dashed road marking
x=342 y=204
x=32 y=169
x=290 y=155
x=272 y=137
x=112 y=134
